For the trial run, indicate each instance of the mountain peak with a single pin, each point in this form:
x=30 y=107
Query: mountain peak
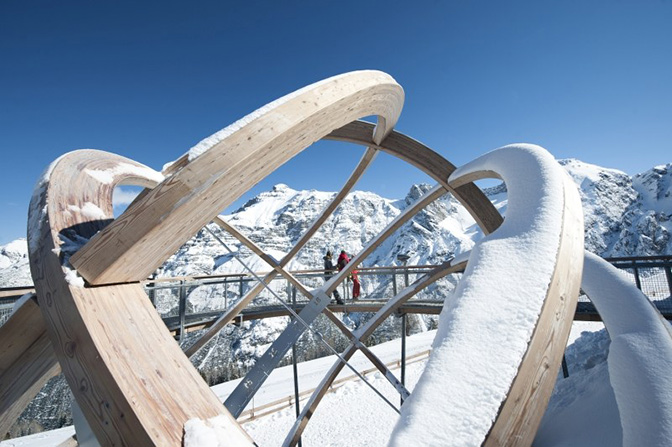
x=281 y=187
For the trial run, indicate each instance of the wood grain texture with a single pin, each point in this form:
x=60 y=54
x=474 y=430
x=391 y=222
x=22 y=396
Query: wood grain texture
x=27 y=362
x=520 y=415
x=137 y=242
x=130 y=378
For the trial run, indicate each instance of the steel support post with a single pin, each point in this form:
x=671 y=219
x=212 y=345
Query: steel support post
x=182 y=308
x=151 y=291
x=668 y=273
x=638 y=282
x=403 y=353
x=295 y=368
x=226 y=294
x=565 y=370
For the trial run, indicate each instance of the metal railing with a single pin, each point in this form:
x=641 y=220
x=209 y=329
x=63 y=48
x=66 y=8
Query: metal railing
x=651 y=274
x=185 y=302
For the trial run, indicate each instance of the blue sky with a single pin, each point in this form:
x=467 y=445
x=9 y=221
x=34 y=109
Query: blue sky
x=147 y=80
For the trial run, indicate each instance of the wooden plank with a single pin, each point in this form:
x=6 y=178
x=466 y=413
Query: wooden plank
x=16 y=292
x=129 y=377
x=27 y=362
x=151 y=230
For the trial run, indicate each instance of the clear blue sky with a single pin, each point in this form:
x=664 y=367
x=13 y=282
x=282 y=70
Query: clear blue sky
x=585 y=79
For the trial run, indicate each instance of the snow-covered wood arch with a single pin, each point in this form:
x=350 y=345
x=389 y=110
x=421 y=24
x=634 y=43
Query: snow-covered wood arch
x=131 y=380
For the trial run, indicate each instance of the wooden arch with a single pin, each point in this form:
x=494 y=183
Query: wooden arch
x=130 y=379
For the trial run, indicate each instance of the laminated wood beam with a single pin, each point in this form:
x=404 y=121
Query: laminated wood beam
x=27 y=362
x=151 y=230
x=129 y=377
x=430 y=162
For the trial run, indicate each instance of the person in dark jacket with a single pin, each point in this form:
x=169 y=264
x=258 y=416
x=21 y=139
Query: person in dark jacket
x=328 y=270
x=356 y=286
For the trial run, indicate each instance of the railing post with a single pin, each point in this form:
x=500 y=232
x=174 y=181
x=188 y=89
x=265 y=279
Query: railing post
x=151 y=291
x=295 y=368
x=668 y=273
x=638 y=282
x=240 y=288
x=565 y=370
x=394 y=283
x=403 y=353
x=226 y=294
x=182 y=308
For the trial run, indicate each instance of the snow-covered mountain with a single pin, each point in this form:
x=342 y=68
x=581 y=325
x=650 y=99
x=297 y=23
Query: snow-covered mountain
x=275 y=220
x=14 y=268
x=624 y=216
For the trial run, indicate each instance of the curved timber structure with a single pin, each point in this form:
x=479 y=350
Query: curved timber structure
x=131 y=380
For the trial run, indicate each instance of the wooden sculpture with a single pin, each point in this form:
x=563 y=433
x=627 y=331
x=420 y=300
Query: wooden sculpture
x=133 y=383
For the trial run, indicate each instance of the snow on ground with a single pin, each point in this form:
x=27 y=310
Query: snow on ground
x=640 y=355
x=580 y=413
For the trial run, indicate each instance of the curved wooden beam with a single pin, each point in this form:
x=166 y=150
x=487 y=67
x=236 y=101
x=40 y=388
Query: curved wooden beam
x=545 y=223
x=131 y=392
x=27 y=362
x=99 y=365
x=520 y=415
x=430 y=162
x=640 y=353
x=137 y=242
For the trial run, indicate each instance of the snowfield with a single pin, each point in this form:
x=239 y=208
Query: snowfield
x=352 y=415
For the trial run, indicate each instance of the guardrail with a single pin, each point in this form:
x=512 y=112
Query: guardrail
x=177 y=298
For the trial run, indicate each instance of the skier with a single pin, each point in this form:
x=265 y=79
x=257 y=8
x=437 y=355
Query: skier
x=328 y=269
x=356 y=286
